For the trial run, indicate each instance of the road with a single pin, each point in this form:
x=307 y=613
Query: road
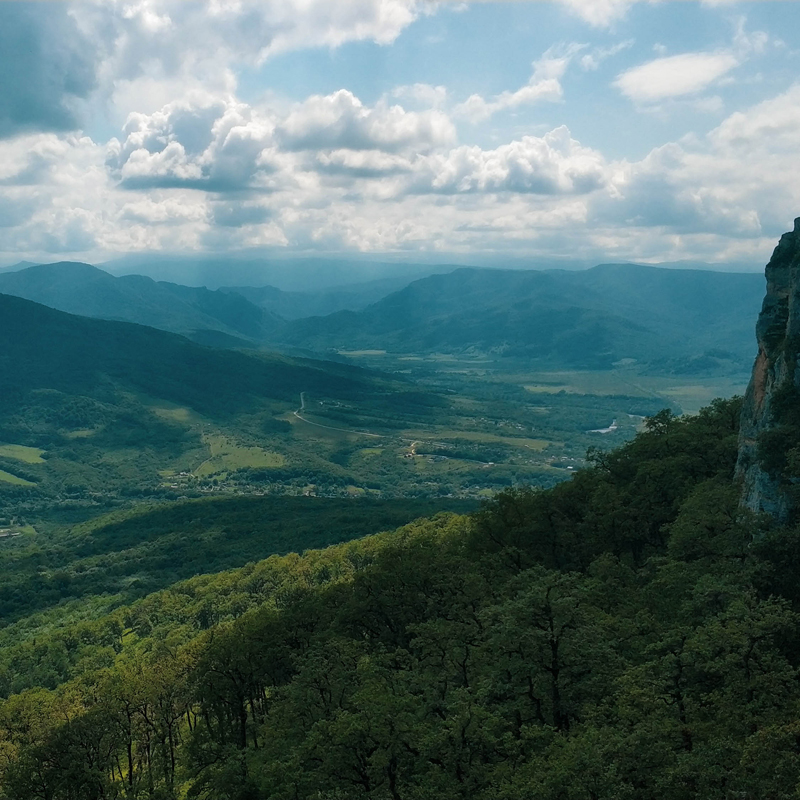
x=299 y=416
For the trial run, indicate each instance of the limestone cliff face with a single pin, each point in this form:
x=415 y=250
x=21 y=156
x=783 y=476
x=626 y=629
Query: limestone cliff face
x=775 y=378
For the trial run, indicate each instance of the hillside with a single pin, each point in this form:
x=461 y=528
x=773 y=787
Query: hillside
x=86 y=290
x=588 y=319
x=47 y=349
x=619 y=636
x=91 y=409
x=128 y=553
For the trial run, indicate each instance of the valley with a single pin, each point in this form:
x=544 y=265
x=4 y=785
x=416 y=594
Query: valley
x=132 y=457
x=160 y=495
x=393 y=405
x=104 y=414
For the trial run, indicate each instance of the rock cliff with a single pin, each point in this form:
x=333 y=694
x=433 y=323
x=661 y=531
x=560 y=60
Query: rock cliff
x=769 y=444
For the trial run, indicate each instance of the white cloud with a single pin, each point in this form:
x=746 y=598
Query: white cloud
x=171 y=33
x=772 y=126
x=164 y=210
x=361 y=163
x=549 y=165
x=732 y=183
x=212 y=144
x=593 y=59
x=142 y=54
x=690 y=73
x=599 y=13
x=340 y=120
x=422 y=94
x=674 y=76
x=745 y=42
x=544 y=84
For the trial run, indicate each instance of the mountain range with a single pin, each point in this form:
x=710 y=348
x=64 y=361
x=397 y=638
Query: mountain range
x=591 y=318
x=42 y=349
x=675 y=320
x=91 y=292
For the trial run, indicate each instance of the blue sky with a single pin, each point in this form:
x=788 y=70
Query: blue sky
x=611 y=129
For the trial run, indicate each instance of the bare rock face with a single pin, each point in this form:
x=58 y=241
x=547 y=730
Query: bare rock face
x=769 y=441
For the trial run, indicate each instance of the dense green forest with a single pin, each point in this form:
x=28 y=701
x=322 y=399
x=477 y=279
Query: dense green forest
x=625 y=634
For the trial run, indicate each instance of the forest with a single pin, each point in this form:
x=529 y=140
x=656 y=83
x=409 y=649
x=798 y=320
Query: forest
x=628 y=633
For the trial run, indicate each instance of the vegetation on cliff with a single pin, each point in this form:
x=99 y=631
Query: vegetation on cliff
x=769 y=453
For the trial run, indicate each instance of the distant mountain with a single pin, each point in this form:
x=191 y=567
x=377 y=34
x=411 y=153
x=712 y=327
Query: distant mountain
x=45 y=349
x=683 y=319
x=287 y=274
x=672 y=319
x=296 y=305
x=19 y=265
x=196 y=312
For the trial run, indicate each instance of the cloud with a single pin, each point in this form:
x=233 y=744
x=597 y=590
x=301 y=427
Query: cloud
x=205 y=143
x=47 y=68
x=689 y=74
x=666 y=190
x=772 y=126
x=340 y=120
x=65 y=206
x=222 y=145
x=732 y=183
x=593 y=59
x=161 y=211
x=361 y=163
x=237 y=214
x=169 y=37
x=422 y=94
x=553 y=164
x=544 y=84
x=599 y=13
x=58 y=58
x=15 y=209
x=335 y=173
x=674 y=76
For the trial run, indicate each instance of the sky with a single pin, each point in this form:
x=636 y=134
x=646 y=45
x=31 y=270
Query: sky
x=603 y=130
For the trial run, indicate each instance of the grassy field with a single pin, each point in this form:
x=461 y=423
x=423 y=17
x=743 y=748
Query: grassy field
x=228 y=456
x=691 y=393
x=14 y=480
x=18 y=452
x=489 y=438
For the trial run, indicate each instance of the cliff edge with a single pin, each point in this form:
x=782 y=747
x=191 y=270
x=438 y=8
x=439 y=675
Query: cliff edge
x=769 y=443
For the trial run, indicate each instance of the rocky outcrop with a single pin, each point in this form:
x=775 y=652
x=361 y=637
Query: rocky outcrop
x=771 y=410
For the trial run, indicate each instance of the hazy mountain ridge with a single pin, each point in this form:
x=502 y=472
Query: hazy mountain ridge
x=288 y=275
x=590 y=318
x=674 y=320
x=297 y=305
x=83 y=289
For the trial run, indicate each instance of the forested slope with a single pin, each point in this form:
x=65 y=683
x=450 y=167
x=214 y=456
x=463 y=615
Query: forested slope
x=86 y=290
x=627 y=634
x=583 y=319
